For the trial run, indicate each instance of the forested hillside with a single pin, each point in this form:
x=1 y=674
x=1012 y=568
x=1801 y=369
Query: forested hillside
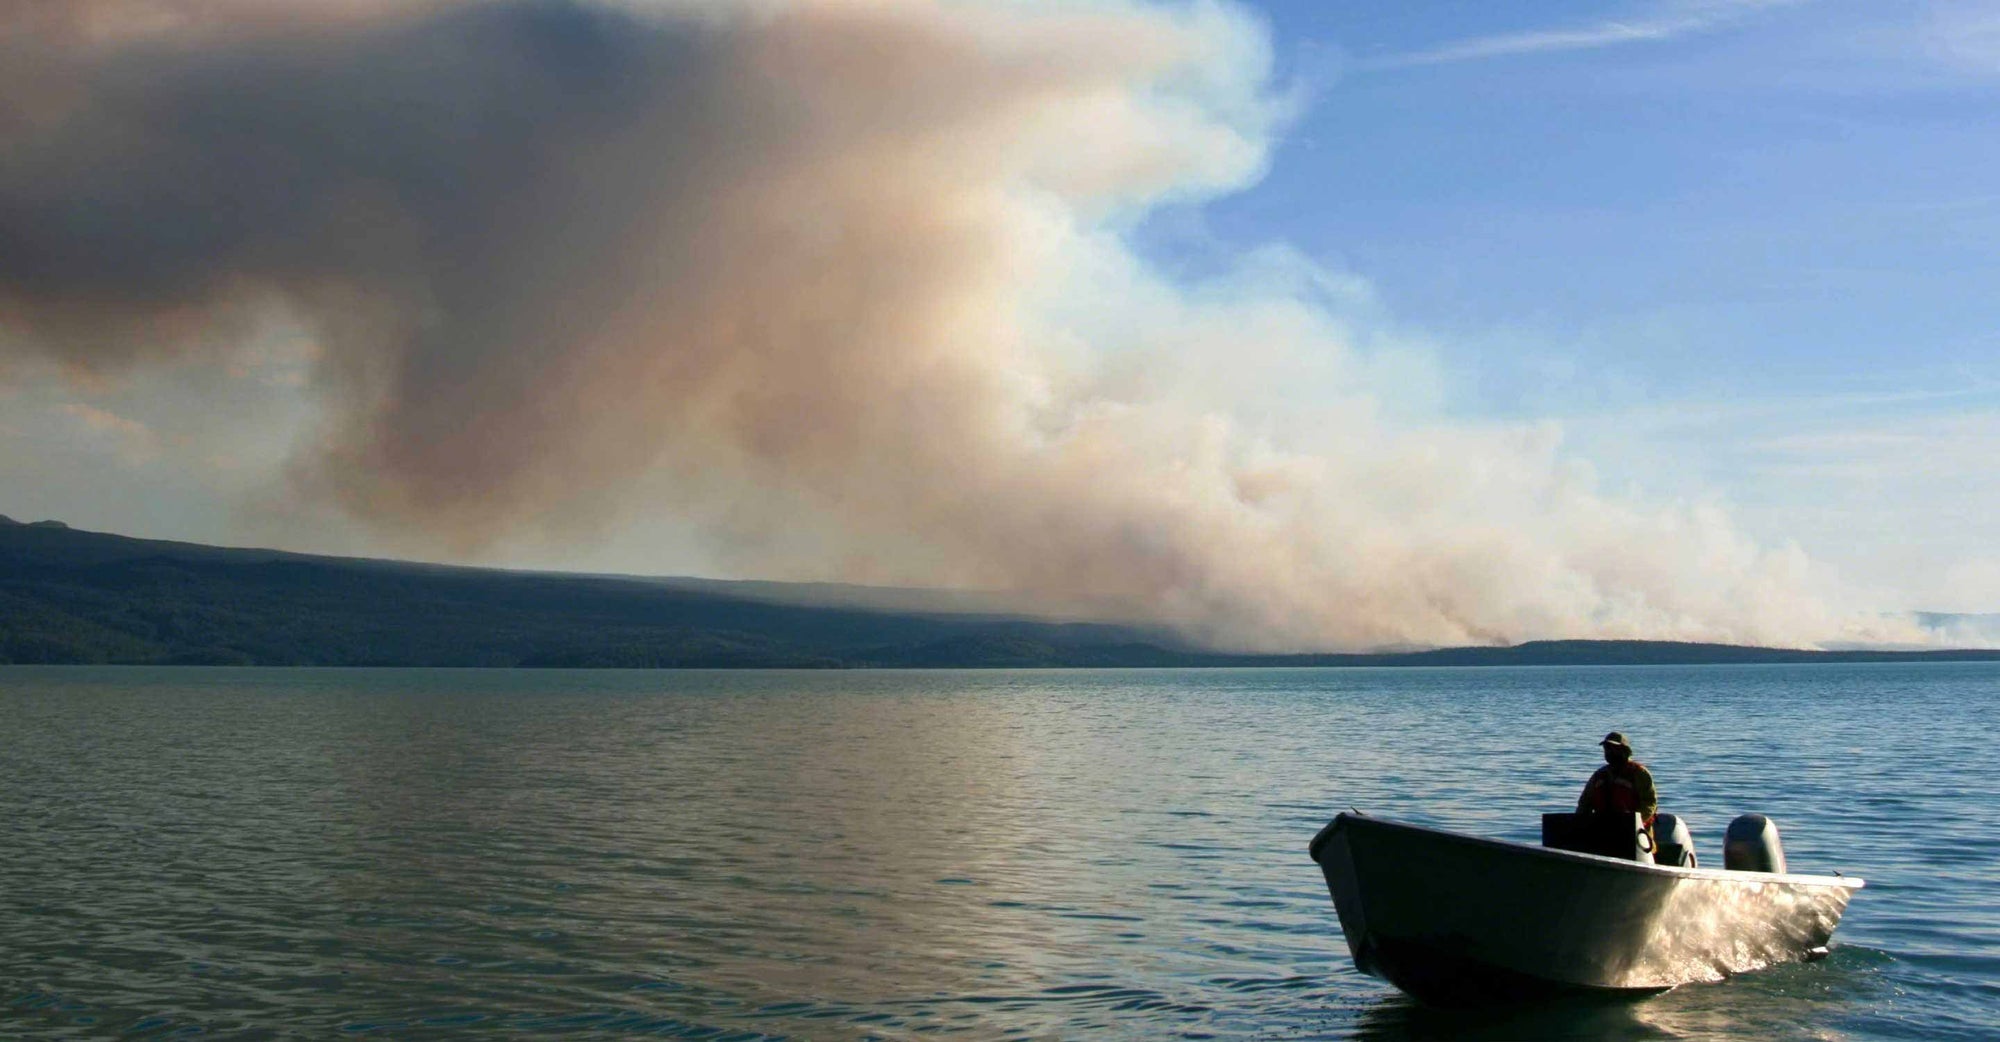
x=69 y=596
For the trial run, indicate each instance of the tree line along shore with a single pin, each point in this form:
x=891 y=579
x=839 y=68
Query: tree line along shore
x=73 y=597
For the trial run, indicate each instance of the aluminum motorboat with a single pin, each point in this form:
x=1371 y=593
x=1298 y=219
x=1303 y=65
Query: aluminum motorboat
x=1458 y=919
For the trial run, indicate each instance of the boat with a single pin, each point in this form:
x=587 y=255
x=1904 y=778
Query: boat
x=1458 y=919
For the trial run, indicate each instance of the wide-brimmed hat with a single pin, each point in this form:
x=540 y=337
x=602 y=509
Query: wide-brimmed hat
x=1618 y=739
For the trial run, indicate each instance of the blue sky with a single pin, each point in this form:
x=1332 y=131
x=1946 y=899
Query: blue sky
x=1797 y=198
x=1746 y=250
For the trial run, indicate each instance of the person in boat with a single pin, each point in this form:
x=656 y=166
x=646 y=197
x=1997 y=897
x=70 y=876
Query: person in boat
x=1621 y=786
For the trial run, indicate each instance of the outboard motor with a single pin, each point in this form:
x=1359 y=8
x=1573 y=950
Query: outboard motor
x=1751 y=845
x=1676 y=842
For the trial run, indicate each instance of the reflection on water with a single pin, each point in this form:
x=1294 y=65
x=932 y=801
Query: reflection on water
x=1784 y=1002
x=854 y=855
x=1398 y=1018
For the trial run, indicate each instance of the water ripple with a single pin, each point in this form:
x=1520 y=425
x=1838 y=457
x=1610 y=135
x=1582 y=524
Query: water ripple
x=403 y=854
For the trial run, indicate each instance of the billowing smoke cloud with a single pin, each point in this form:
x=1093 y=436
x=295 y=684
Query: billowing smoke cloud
x=847 y=278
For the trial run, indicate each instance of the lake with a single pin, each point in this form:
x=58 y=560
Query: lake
x=251 y=853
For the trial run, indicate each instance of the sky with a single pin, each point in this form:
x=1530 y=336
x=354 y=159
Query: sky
x=1738 y=250
x=1295 y=325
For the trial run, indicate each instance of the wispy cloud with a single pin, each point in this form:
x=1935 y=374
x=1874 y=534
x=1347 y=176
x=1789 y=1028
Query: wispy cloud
x=1966 y=35
x=134 y=442
x=1974 y=393
x=1956 y=446
x=1672 y=23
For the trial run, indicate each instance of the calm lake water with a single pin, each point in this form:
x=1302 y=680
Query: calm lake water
x=1061 y=854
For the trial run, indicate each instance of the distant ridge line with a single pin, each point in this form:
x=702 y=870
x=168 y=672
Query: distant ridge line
x=69 y=596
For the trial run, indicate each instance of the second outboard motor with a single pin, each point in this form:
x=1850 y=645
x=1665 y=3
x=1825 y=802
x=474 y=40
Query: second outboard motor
x=1676 y=842
x=1751 y=845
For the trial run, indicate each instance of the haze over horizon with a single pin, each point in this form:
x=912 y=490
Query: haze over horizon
x=1292 y=328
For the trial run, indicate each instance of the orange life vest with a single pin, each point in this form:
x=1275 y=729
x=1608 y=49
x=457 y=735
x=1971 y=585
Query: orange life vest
x=1612 y=791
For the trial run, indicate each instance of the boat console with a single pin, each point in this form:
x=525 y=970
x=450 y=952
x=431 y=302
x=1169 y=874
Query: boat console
x=1752 y=843
x=1609 y=835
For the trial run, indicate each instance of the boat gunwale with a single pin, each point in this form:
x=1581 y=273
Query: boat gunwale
x=1600 y=860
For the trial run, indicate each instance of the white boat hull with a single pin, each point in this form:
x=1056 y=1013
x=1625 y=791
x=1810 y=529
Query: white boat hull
x=1457 y=918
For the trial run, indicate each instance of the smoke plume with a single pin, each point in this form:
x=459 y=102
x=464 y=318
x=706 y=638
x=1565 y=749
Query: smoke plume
x=847 y=279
